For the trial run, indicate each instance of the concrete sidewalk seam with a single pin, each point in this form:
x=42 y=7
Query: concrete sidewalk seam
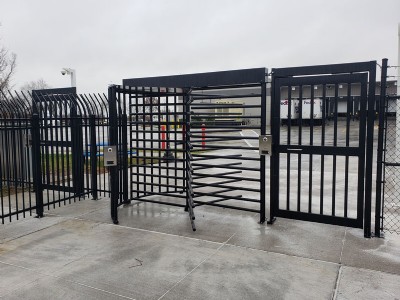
x=80 y=215
x=20 y=286
x=284 y=254
x=66 y=280
x=26 y=234
x=337 y=283
x=151 y=231
x=204 y=260
x=343 y=242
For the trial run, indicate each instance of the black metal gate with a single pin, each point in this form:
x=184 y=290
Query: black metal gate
x=322 y=144
x=189 y=142
x=61 y=140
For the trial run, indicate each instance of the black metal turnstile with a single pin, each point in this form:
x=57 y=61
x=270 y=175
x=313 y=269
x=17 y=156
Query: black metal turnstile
x=187 y=141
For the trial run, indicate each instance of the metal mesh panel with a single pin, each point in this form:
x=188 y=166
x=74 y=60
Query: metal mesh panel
x=391 y=191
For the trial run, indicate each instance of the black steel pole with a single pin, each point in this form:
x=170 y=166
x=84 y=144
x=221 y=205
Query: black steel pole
x=274 y=168
x=113 y=141
x=93 y=156
x=379 y=160
x=37 y=165
x=370 y=150
x=262 y=158
x=124 y=146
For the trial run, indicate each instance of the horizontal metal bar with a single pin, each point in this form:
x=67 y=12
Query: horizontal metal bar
x=172 y=168
x=226 y=137
x=206 y=114
x=234 y=188
x=178 y=195
x=219 y=165
x=199 y=176
x=238 y=127
x=216 y=193
x=221 y=173
x=201 y=194
x=155 y=141
x=220 y=105
x=321 y=150
x=227 y=86
x=325 y=69
x=216 y=184
x=211 y=80
x=225 y=206
x=211 y=157
x=197 y=97
x=209 y=140
x=213 y=130
x=391 y=164
x=157 y=176
x=154 y=123
x=326 y=219
x=208 y=166
x=157 y=149
x=17 y=212
x=217 y=117
x=157 y=202
x=210 y=202
x=315 y=80
x=149 y=183
x=60 y=188
x=56 y=143
x=66 y=198
x=224 y=147
x=149 y=130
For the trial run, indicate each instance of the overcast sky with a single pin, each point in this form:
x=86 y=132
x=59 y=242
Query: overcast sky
x=106 y=41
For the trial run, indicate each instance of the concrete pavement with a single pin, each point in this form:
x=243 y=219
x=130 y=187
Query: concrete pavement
x=75 y=252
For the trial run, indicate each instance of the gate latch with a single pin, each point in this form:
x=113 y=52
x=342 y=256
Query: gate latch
x=265 y=144
x=110 y=156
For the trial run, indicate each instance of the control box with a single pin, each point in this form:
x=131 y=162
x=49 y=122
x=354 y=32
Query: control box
x=265 y=144
x=110 y=156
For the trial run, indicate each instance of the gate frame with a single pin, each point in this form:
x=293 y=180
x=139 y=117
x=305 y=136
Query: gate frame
x=64 y=95
x=347 y=68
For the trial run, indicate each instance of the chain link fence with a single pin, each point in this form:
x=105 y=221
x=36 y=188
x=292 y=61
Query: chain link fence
x=391 y=164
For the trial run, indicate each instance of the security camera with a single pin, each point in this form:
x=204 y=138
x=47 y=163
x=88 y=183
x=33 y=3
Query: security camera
x=63 y=72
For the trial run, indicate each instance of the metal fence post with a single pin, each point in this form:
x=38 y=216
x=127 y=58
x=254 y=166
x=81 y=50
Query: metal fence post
x=379 y=160
x=113 y=139
x=37 y=165
x=274 y=165
x=124 y=146
x=93 y=156
x=369 y=150
x=262 y=157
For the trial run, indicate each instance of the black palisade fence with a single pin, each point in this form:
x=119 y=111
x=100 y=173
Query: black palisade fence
x=51 y=150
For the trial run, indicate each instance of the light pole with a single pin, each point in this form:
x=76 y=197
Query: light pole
x=71 y=72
